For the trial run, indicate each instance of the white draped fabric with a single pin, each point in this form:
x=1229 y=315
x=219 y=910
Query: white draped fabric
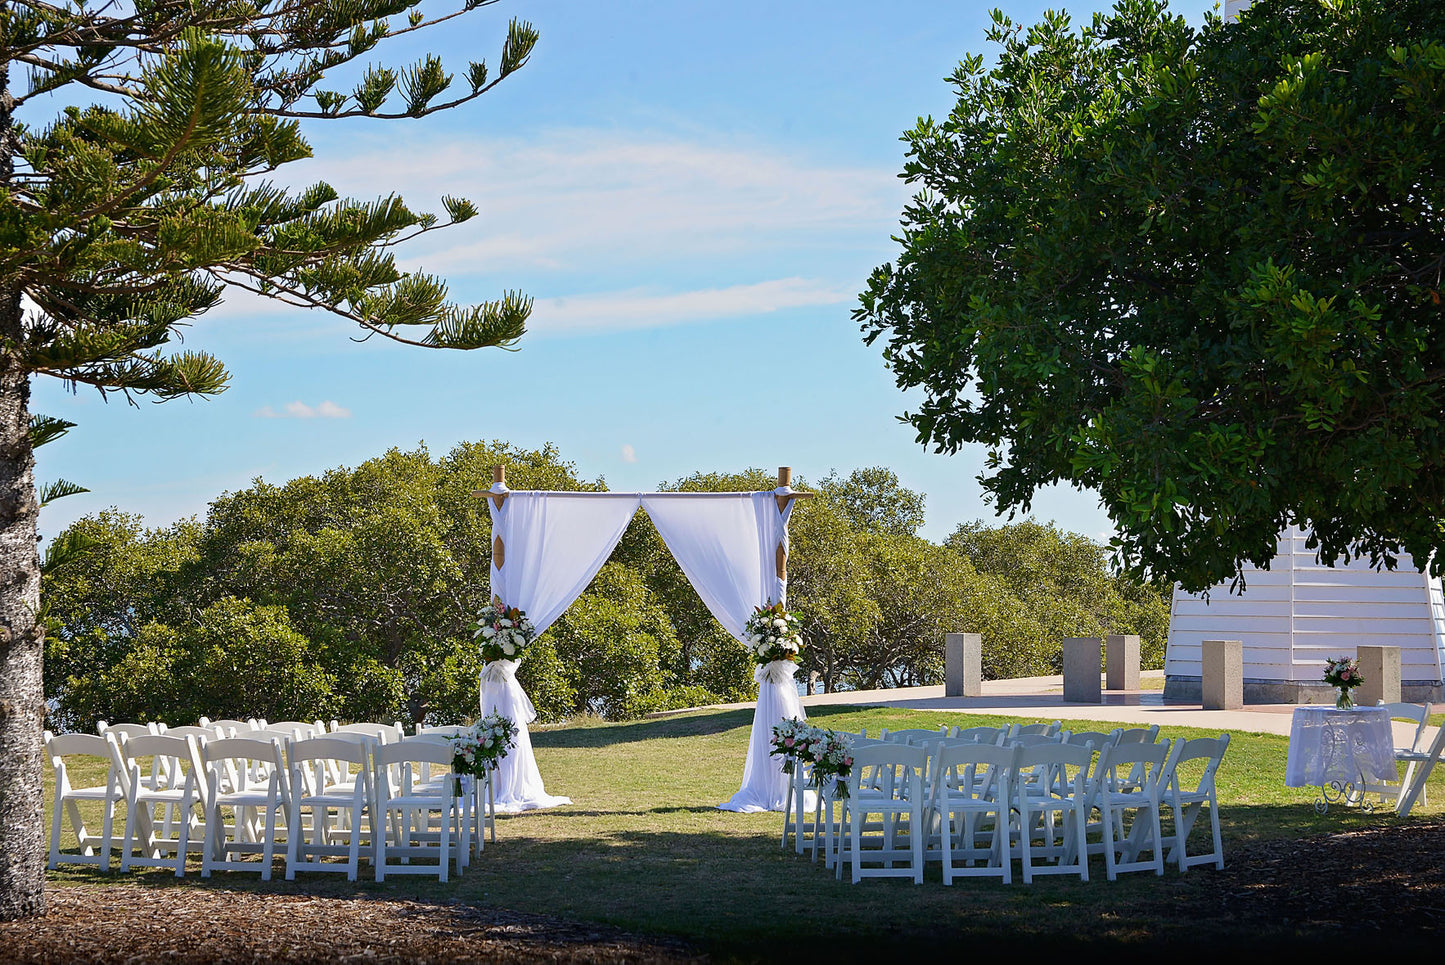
x=517 y=783
x=727 y=544
x=554 y=545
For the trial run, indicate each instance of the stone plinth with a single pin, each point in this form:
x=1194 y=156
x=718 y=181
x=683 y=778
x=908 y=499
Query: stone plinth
x=962 y=665
x=1082 y=656
x=1380 y=666
x=1222 y=677
x=1121 y=661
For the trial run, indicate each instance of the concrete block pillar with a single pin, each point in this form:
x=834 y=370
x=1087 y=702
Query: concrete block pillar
x=962 y=665
x=1380 y=666
x=1121 y=661
x=1082 y=656
x=1222 y=673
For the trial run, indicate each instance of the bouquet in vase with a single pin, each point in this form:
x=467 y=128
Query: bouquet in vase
x=772 y=634
x=478 y=751
x=503 y=632
x=1343 y=673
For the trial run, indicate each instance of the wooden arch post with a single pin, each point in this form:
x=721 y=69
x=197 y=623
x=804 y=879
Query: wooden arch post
x=785 y=494
x=498 y=495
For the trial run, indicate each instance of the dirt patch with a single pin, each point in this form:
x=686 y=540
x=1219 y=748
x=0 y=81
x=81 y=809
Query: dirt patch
x=195 y=926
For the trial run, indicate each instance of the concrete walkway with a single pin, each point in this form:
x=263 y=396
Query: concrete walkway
x=1043 y=697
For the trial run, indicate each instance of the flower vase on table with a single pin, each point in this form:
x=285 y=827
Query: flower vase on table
x=1343 y=673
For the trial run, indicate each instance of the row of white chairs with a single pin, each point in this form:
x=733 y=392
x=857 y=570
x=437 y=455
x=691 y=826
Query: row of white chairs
x=973 y=799
x=233 y=789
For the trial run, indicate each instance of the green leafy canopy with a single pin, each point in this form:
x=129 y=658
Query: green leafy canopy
x=1198 y=271
x=123 y=219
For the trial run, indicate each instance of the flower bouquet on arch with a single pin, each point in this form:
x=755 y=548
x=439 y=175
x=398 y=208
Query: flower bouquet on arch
x=1343 y=673
x=772 y=634
x=478 y=751
x=502 y=632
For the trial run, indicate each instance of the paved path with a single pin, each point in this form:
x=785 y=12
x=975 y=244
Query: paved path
x=1044 y=697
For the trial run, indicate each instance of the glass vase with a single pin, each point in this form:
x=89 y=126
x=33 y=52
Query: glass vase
x=1344 y=701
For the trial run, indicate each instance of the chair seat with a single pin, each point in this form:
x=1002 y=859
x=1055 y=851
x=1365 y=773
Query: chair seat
x=416 y=801
x=167 y=796
x=247 y=799
x=332 y=798
x=95 y=794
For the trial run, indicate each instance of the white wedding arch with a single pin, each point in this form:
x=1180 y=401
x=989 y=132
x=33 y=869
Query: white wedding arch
x=733 y=548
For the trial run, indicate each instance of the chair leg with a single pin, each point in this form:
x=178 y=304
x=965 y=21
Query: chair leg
x=55 y=826
x=184 y=832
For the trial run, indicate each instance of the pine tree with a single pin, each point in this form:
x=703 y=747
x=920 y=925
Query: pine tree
x=122 y=220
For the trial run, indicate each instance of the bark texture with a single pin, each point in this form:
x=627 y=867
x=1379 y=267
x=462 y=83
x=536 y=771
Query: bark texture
x=22 y=695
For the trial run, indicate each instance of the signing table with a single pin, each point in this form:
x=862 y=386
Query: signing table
x=1340 y=751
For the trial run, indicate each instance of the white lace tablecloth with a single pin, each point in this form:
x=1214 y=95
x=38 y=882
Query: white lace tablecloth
x=1326 y=744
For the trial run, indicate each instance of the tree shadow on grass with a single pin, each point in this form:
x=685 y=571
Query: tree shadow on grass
x=690 y=724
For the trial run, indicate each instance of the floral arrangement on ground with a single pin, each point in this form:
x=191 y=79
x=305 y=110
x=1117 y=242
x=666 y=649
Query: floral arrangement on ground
x=772 y=634
x=503 y=632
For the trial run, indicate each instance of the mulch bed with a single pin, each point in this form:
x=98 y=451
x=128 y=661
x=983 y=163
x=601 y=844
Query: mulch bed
x=133 y=924
x=1382 y=886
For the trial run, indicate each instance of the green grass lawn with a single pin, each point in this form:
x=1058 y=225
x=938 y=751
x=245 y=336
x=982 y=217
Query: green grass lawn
x=644 y=848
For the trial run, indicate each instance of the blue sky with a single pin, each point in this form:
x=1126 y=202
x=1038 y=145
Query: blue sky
x=694 y=194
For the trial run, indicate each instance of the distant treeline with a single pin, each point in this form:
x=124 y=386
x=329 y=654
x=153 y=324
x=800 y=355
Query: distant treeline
x=349 y=595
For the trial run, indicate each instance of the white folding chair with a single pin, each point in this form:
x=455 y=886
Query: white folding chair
x=394 y=826
x=300 y=729
x=915 y=735
x=970 y=787
x=887 y=780
x=173 y=784
x=68 y=798
x=229 y=727
x=479 y=815
x=313 y=763
x=1128 y=779
x=247 y=834
x=1415 y=790
x=1186 y=805
x=1050 y=785
x=1409 y=754
x=383 y=733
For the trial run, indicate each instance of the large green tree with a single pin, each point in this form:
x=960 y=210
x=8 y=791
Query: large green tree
x=1198 y=271
x=123 y=219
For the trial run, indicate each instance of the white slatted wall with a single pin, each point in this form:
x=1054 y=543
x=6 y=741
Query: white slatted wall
x=1295 y=614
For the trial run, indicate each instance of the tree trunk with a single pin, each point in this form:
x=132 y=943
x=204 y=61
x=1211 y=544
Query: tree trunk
x=22 y=703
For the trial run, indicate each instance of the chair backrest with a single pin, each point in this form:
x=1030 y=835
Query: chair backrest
x=444 y=730
x=329 y=748
x=1416 y=713
x=970 y=767
x=1136 y=764
x=1054 y=765
x=125 y=730
x=199 y=733
x=229 y=727
x=300 y=728
x=1098 y=738
x=412 y=751
x=75 y=745
x=385 y=733
x=1026 y=730
x=1032 y=740
x=175 y=758
x=982 y=735
x=893 y=768
x=1138 y=735
x=917 y=735
x=1209 y=749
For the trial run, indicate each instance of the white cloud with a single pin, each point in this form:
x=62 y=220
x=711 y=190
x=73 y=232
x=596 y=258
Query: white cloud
x=300 y=410
x=629 y=454
x=574 y=199
x=642 y=308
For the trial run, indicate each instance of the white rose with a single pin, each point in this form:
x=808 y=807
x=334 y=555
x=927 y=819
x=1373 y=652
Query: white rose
x=508 y=648
x=488 y=632
x=780 y=624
